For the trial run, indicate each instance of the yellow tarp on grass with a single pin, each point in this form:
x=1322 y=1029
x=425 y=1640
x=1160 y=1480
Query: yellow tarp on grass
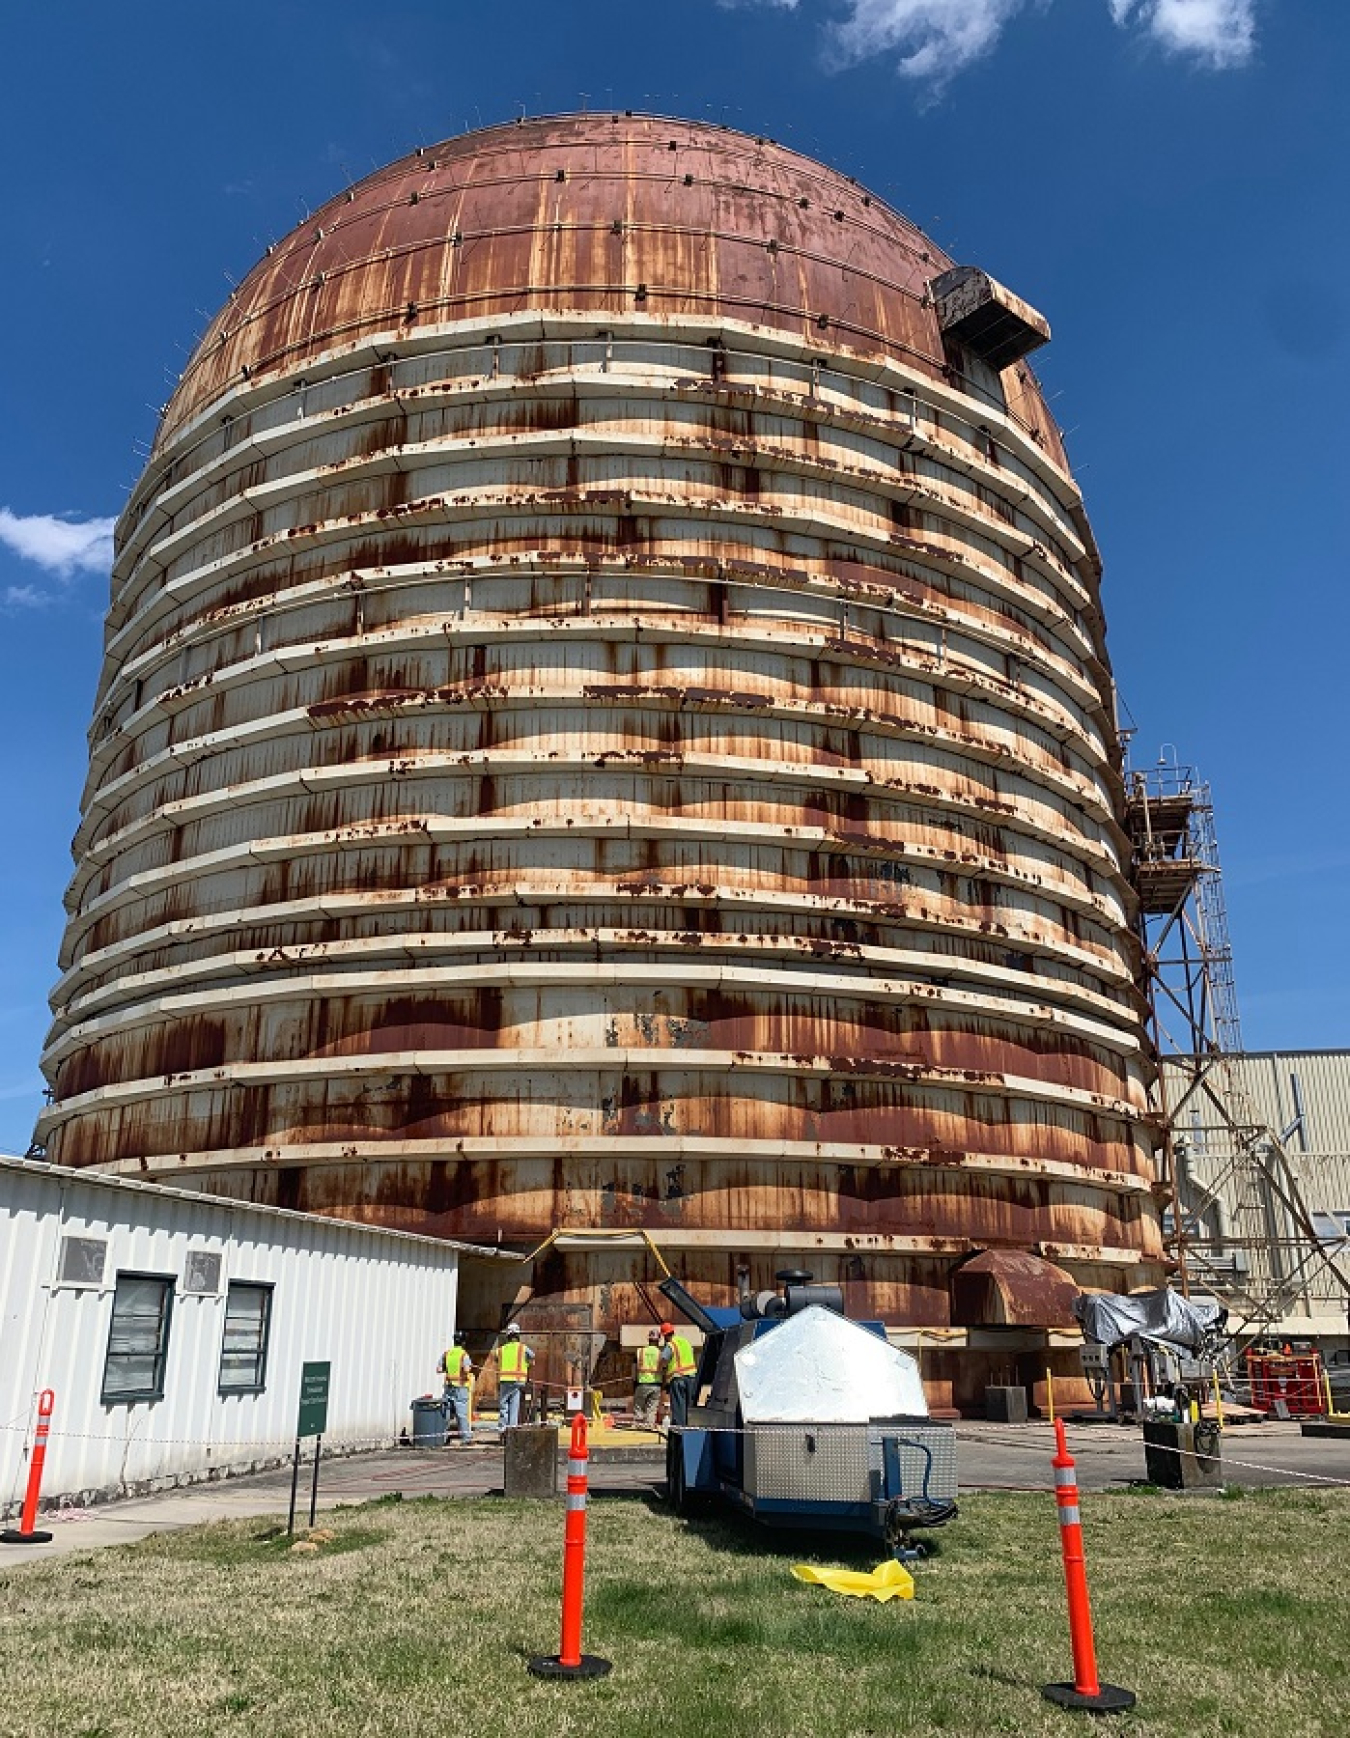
x=891 y=1581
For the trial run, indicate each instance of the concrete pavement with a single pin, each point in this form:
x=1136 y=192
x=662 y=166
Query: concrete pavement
x=991 y=1457
x=1111 y=1456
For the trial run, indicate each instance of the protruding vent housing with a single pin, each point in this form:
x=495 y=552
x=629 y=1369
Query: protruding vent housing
x=975 y=310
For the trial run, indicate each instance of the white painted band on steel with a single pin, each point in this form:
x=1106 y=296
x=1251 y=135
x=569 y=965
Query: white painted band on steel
x=230 y=1076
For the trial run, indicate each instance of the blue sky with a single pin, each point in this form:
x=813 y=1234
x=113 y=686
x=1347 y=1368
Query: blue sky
x=1165 y=179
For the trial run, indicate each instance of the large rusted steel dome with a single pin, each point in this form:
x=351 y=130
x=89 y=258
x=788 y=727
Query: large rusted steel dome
x=606 y=722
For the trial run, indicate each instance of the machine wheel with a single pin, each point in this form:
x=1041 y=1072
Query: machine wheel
x=903 y=1518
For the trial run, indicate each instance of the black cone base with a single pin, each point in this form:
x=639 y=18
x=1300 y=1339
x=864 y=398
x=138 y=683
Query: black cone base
x=12 y=1536
x=550 y=1666
x=1110 y=1698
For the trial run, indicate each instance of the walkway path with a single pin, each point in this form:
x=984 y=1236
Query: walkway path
x=991 y=1457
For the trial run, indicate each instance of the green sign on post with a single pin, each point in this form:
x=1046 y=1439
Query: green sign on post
x=313 y=1419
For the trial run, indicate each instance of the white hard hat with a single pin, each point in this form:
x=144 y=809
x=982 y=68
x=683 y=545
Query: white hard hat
x=514 y=1328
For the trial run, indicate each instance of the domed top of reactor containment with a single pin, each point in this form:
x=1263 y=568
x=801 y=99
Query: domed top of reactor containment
x=606 y=726
x=609 y=214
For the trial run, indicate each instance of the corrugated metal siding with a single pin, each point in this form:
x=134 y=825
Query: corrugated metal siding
x=379 y=1307
x=1324 y=1080
x=1267 y=1078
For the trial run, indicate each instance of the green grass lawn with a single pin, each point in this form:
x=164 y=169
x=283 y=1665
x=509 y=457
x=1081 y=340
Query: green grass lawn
x=1225 y=1616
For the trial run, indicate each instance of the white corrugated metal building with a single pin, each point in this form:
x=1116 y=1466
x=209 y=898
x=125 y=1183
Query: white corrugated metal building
x=1303 y=1097
x=172 y=1327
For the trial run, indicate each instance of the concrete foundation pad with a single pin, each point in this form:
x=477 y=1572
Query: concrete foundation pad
x=1336 y=1428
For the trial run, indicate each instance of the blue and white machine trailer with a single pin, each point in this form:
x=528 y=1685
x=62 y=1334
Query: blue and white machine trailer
x=807 y=1419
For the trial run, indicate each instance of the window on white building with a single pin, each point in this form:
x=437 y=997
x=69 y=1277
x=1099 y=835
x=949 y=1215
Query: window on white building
x=1330 y=1228
x=138 y=1340
x=243 y=1350
x=82 y=1260
x=201 y=1272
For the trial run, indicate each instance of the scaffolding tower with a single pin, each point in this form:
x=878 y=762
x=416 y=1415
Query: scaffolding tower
x=1236 y=1216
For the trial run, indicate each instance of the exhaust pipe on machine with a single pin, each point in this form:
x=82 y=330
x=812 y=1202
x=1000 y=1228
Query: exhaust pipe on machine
x=798 y=1293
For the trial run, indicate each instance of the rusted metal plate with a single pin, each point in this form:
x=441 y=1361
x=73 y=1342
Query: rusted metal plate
x=602 y=724
x=562 y=1336
x=1012 y=1288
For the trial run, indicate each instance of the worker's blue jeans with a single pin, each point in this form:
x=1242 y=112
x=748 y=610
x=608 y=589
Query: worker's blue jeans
x=457 y=1406
x=680 y=1392
x=508 y=1405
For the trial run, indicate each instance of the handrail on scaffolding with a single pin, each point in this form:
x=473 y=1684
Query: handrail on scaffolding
x=1241 y=1226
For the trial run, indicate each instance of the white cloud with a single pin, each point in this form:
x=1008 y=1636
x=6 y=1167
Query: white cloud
x=61 y=544
x=23 y=597
x=1219 y=33
x=936 y=38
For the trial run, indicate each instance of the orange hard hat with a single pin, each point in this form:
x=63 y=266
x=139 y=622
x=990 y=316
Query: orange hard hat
x=667 y=1327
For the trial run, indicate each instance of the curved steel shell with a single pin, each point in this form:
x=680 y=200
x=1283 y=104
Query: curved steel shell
x=606 y=722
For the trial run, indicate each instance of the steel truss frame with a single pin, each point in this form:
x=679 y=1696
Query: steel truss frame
x=1242 y=1227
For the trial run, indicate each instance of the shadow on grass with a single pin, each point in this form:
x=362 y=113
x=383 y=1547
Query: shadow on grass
x=727 y=1531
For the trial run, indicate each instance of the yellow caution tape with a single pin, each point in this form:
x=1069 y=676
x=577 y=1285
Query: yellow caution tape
x=890 y=1581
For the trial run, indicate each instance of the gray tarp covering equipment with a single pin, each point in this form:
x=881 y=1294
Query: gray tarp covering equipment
x=1164 y=1316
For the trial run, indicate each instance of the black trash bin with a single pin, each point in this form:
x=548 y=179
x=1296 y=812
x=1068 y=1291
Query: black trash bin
x=429 y=1423
x=1181 y=1456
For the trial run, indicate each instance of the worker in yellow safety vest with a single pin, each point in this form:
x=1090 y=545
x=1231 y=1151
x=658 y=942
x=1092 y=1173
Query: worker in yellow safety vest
x=678 y=1366
x=458 y=1367
x=647 y=1388
x=514 y=1358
